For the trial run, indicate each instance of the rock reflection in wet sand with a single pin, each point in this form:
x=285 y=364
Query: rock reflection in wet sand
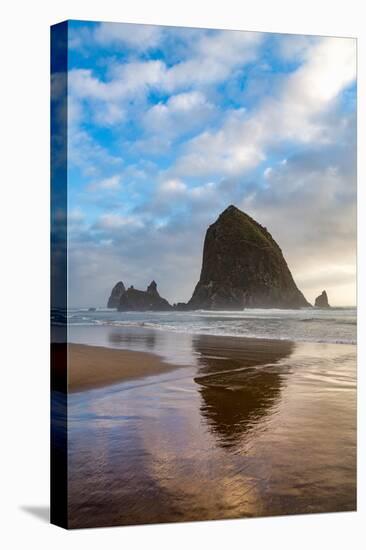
x=237 y=391
x=252 y=428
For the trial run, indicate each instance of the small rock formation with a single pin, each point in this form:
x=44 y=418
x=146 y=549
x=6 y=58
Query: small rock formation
x=181 y=306
x=322 y=300
x=140 y=300
x=116 y=294
x=243 y=267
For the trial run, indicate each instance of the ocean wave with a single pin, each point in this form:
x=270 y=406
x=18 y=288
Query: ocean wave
x=225 y=331
x=304 y=325
x=329 y=320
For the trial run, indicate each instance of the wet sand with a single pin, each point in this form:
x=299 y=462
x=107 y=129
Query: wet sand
x=95 y=366
x=247 y=428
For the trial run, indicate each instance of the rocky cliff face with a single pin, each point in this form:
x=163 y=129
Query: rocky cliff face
x=140 y=300
x=243 y=267
x=116 y=294
x=322 y=300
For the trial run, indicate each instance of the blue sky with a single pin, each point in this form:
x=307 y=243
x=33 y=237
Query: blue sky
x=168 y=126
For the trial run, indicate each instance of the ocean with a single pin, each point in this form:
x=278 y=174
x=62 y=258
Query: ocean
x=334 y=325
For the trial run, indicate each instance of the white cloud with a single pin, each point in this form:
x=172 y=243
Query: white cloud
x=139 y=36
x=203 y=191
x=107 y=184
x=110 y=183
x=88 y=155
x=213 y=57
x=75 y=215
x=172 y=186
x=307 y=201
x=309 y=206
x=174 y=194
x=241 y=142
x=233 y=148
x=267 y=172
x=108 y=101
x=180 y=114
x=117 y=35
x=117 y=221
x=178 y=187
x=127 y=79
x=108 y=114
x=185 y=102
x=74 y=112
x=330 y=66
x=294 y=47
x=209 y=59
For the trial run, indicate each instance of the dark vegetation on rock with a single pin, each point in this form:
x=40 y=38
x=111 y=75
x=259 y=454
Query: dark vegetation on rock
x=243 y=267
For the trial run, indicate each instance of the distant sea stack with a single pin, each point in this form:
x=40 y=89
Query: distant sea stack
x=243 y=267
x=138 y=300
x=322 y=300
x=116 y=294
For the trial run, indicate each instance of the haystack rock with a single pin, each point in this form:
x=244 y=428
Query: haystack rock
x=140 y=300
x=322 y=300
x=243 y=267
x=116 y=294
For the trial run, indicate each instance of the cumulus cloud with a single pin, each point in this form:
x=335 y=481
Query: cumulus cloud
x=330 y=66
x=212 y=59
x=180 y=114
x=128 y=79
x=135 y=36
x=207 y=60
x=296 y=114
x=128 y=35
x=161 y=149
x=231 y=149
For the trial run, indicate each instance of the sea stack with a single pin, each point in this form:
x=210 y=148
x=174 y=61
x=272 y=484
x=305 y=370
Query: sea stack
x=116 y=294
x=143 y=300
x=243 y=267
x=322 y=300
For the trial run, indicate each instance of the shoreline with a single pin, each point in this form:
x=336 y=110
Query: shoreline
x=143 y=326
x=203 y=443
x=146 y=325
x=91 y=367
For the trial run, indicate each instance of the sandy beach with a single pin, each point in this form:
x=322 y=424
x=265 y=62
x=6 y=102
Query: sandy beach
x=96 y=366
x=227 y=427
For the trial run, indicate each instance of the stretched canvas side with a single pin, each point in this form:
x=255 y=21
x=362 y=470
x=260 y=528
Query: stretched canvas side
x=59 y=35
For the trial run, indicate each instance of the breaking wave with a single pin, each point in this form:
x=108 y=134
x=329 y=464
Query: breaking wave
x=338 y=325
